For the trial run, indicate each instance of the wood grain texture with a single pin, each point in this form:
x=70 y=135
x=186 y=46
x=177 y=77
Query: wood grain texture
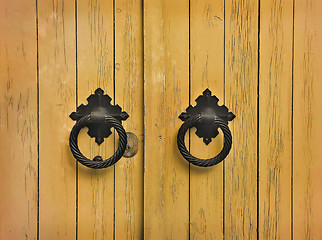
x=207 y=71
x=241 y=64
x=18 y=120
x=224 y=200
x=275 y=122
x=57 y=179
x=95 y=50
x=166 y=91
x=129 y=95
x=307 y=120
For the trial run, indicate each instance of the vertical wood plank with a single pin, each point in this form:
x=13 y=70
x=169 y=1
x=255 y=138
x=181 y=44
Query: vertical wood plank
x=275 y=122
x=207 y=71
x=129 y=95
x=18 y=120
x=241 y=54
x=57 y=180
x=307 y=120
x=95 y=50
x=166 y=91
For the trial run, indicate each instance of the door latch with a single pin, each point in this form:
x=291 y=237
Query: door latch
x=207 y=116
x=99 y=115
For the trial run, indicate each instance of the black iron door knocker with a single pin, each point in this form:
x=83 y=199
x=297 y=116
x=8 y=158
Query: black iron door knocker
x=207 y=116
x=99 y=115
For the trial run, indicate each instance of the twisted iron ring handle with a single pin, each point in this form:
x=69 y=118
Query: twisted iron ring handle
x=97 y=162
x=194 y=121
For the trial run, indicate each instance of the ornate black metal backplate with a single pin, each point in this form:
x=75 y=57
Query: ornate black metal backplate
x=207 y=106
x=99 y=105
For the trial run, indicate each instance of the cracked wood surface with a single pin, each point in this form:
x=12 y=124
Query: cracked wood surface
x=261 y=58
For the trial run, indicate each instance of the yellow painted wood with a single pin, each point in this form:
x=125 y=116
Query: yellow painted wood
x=18 y=120
x=241 y=46
x=57 y=99
x=166 y=95
x=95 y=69
x=275 y=94
x=307 y=120
x=207 y=71
x=275 y=122
x=224 y=200
x=129 y=95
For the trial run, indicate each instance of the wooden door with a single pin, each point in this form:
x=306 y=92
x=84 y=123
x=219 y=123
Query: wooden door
x=261 y=58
